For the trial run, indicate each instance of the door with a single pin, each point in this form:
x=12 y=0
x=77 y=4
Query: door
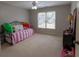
x=77 y=31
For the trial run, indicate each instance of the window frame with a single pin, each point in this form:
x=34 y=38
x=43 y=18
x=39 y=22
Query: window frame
x=46 y=20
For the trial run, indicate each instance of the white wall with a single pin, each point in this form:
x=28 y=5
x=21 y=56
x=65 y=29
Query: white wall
x=73 y=6
x=61 y=19
x=10 y=13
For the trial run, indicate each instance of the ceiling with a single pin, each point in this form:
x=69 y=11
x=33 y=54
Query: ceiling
x=40 y=4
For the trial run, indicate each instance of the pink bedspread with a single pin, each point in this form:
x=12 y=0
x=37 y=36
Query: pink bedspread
x=19 y=36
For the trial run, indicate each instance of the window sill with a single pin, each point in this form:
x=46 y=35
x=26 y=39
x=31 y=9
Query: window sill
x=47 y=28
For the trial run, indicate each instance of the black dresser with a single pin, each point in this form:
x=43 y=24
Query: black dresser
x=68 y=39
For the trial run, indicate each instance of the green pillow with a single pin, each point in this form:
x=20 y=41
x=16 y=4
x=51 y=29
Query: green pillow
x=8 y=28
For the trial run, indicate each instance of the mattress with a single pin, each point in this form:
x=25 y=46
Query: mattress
x=18 y=36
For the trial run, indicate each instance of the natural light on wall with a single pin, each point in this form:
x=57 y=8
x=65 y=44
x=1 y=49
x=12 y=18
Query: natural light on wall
x=47 y=20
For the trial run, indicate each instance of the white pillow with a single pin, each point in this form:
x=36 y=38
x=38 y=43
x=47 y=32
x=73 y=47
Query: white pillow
x=18 y=27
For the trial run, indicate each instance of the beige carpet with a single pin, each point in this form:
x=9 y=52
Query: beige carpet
x=38 y=45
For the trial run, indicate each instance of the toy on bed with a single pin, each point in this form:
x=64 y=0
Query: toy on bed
x=26 y=25
x=15 y=32
x=8 y=28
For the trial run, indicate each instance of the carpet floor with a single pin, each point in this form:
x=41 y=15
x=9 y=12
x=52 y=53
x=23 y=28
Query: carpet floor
x=38 y=45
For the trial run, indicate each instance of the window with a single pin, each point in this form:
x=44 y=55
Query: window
x=46 y=20
x=41 y=20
